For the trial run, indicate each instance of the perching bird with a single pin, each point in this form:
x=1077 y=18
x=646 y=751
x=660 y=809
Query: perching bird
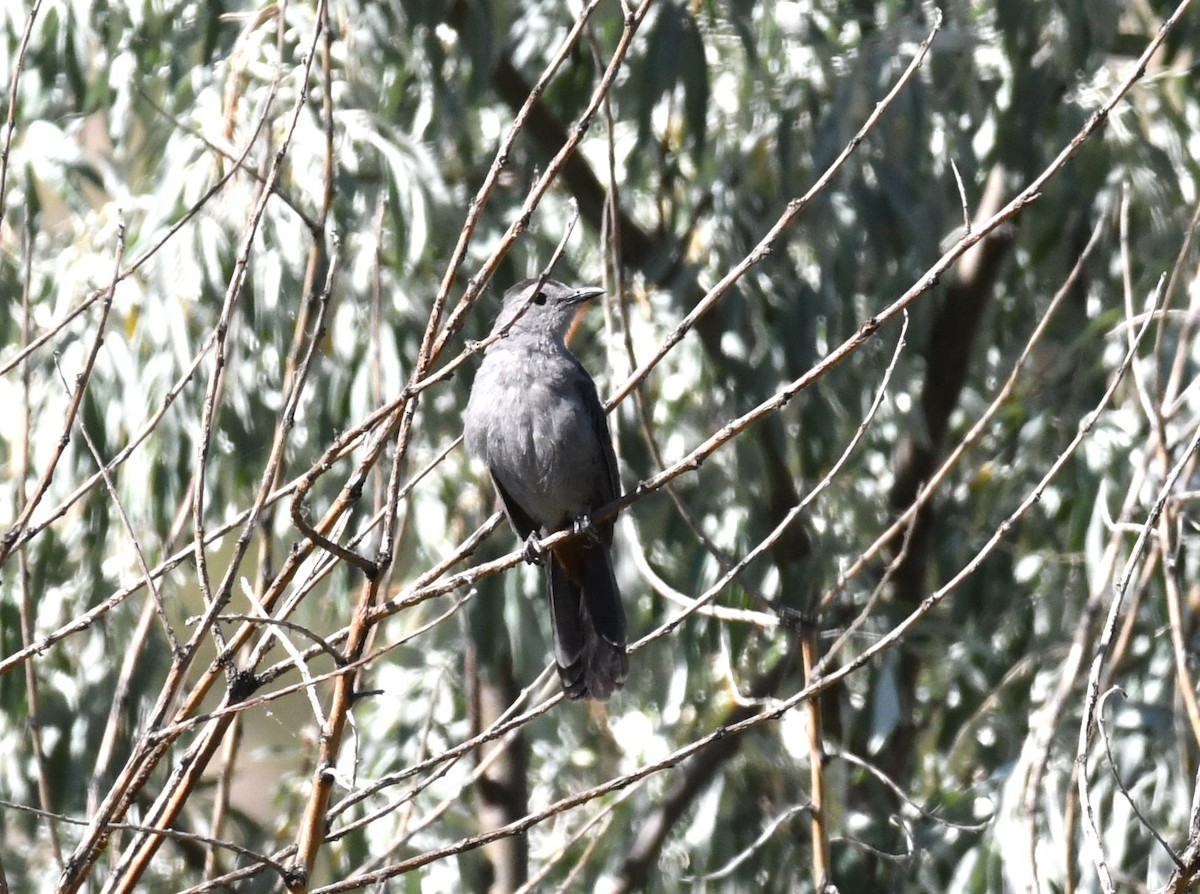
x=535 y=420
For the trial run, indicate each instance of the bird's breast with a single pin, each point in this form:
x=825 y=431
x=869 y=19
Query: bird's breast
x=527 y=422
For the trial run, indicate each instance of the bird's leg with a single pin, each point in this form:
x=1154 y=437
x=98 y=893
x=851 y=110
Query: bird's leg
x=534 y=554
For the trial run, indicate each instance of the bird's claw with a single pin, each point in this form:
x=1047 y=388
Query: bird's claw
x=533 y=553
x=583 y=527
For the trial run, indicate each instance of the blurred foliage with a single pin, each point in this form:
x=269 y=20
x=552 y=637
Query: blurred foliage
x=161 y=120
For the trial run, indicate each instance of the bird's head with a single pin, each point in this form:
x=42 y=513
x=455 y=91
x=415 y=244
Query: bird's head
x=545 y=311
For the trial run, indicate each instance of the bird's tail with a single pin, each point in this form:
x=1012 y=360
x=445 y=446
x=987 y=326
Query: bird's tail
x=588 y=619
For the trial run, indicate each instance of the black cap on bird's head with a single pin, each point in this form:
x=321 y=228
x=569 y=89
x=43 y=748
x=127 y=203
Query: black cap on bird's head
x=549 y=312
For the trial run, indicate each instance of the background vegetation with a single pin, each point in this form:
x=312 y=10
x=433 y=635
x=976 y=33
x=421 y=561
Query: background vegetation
x=900 y=328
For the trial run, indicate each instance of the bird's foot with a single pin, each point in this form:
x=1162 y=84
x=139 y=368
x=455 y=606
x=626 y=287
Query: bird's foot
x=583 y=527
x=534 y=553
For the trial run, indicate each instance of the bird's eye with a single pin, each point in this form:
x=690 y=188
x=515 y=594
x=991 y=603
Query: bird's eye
x=539 y=298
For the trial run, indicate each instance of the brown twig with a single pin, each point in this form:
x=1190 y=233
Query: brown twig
x=82 y=378
x=899 y=792
x=538 y=190
x=1129 y=799
x=1100 y=654
x=767 y=244
x=137 y=769
x=1179 y=365
x=768 y=830
x=14 y=83
x=25 y=603
x=1182 y=880
x=221 y=797
x=818 y=819
x=1184 y=683
x=312 y=823
x=477 y=203
x=600 y=816
x=174 y=834
x=774 y=711
x=821 y=684
x=118 y=504
x=215 y=602
x=105 y=294
x=511 y=719
x=1035 y=751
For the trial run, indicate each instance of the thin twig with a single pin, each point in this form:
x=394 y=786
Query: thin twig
x=767 y=244
x=137 y=857
x=1112 y=766
x=119 y=504
x=741 y=857
x=1184 y=684
x=962 y=197
x=1088 y=720
x=14 y=83
x=81 y=382
x=772 y=712
x=536 y=193
x=26 y=610
x=477 y=203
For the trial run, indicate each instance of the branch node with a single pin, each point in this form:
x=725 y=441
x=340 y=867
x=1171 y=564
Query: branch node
x=295 y=876
x=242 y=685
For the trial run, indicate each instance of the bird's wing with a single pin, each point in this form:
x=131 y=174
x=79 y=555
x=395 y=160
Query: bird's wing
x=608 y=485
x=521 y=521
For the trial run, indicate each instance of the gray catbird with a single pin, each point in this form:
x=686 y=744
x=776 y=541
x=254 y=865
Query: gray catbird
x=535 y=420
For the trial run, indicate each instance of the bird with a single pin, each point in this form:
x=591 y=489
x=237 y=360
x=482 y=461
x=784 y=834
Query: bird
x=536 y=422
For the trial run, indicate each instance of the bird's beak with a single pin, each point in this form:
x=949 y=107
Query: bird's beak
x=576 y=300
x=587 y=293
